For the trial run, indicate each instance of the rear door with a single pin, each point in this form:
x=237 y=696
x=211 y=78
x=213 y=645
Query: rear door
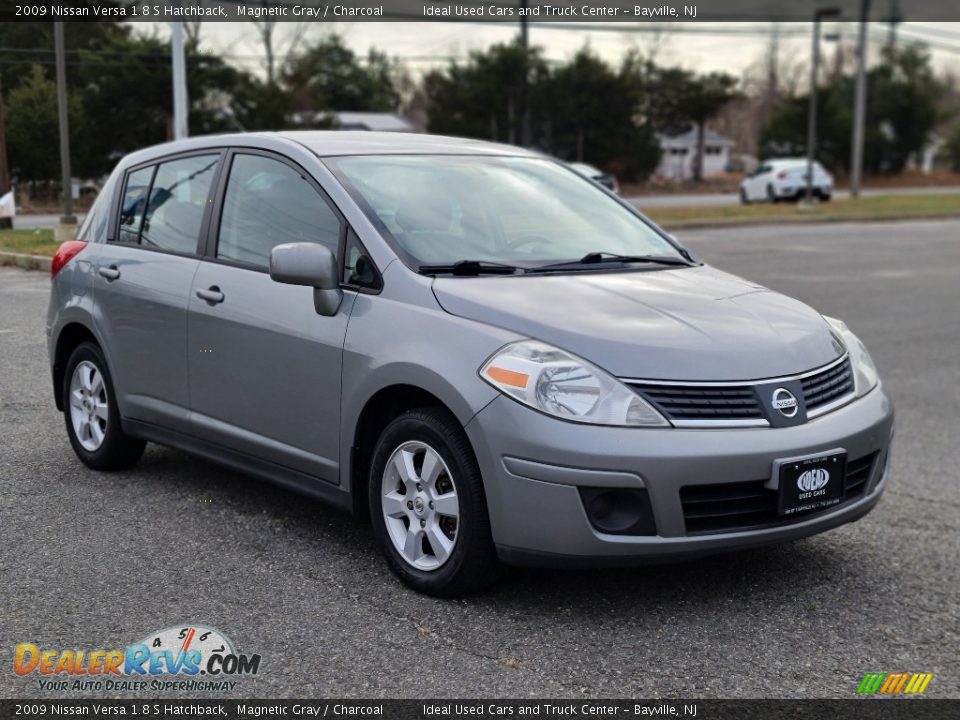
x=264 y=366
x=143 y=279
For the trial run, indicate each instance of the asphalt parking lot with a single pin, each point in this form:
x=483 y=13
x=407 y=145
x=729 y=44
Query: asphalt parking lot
x=95 y=560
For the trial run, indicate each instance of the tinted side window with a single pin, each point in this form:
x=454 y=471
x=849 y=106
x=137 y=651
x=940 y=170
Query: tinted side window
x=177 y=201
x=133 y=204
x=268 y=203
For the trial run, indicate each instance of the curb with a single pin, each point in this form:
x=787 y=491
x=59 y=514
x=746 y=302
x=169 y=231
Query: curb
x=788 y=220
x=25 y=262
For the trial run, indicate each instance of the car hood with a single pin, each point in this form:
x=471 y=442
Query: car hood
x=693 y=323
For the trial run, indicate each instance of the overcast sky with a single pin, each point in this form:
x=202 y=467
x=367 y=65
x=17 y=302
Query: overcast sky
x=423 y=45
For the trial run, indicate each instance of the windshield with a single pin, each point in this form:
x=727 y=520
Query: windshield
x=520 y=211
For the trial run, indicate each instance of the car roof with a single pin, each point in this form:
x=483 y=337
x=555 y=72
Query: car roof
x=331 y=143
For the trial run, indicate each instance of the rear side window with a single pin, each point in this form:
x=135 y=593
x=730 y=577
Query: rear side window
x=178 y=198
x=163 y=205
x=268 y=203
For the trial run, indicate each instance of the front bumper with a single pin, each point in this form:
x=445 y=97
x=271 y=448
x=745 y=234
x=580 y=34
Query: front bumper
x=793 y=191
x=533 y=465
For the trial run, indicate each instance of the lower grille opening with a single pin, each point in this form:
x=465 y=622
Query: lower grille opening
x=748 y=505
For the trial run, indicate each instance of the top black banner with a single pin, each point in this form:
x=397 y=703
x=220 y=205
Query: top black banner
x=535 y=11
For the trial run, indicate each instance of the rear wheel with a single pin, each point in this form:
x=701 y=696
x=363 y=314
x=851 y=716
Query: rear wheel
x=427 y=505
x=90 y=411
x=744 y=198
x=771 y=194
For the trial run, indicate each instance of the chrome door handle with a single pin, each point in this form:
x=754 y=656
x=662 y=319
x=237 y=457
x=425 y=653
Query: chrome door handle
x=110 y=273
x=212 y=295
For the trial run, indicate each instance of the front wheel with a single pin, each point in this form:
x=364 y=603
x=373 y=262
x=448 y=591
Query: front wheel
x=92 y=417
x=427 y=505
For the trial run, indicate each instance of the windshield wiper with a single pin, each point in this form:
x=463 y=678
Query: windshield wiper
x=469 y=267
x=597 y=258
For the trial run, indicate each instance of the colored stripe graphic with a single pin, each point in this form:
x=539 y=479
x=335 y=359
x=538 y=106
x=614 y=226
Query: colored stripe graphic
x=871 y=683
x=894 y=683
x=889 y=683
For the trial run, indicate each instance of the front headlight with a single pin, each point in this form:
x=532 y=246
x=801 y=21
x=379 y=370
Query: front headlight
x=865 y=376
x=564 y=386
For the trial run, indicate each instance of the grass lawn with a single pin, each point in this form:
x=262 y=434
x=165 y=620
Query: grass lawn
x=869 y=208
x=30 y=242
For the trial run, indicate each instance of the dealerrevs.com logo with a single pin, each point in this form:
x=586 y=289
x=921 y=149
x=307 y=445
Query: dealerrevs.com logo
x=190 y=658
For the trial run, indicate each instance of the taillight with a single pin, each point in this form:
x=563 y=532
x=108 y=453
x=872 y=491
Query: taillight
x=781 y=175
x=65 y=254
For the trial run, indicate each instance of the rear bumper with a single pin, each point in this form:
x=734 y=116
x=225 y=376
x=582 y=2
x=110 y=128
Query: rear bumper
x=534 y=465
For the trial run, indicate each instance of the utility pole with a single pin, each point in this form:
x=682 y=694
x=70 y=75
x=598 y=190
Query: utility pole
x=859 y=104
x=526 y=131
x=893 y=21
x=5 y=222
x=180 y=109
x=818 y=17
x=68 y=221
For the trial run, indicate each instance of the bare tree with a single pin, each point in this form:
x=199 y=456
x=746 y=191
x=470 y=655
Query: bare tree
x=276 y=46
x=648 y=39
x=192 y=30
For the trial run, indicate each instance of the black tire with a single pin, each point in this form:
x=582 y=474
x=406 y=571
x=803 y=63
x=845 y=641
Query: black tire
x=744 y=200
x=118 y=450
x=824 y=196
x=772 y=195
x=472 y=564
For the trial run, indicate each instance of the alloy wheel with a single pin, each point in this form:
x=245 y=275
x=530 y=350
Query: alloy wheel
x=421 y=509
x=89 y=410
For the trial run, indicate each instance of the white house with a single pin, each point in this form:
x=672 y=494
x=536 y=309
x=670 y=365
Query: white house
x=380 y=121
x=676 y=160
x=384 y=122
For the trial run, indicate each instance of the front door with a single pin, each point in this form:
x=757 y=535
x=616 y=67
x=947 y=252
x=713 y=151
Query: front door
x=264 y=366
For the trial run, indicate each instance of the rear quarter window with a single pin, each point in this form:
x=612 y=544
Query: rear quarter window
x=94 y=225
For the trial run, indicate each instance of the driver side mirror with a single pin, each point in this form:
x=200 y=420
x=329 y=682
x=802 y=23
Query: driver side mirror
x=309 y=264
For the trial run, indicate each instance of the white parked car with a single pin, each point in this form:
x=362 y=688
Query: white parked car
x=785 y=179
x=598 y=176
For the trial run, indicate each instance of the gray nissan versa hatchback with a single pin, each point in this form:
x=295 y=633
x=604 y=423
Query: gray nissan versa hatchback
x=490 y=355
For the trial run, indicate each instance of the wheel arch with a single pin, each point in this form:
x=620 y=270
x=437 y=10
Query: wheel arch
x=70 y=336
x=383 y=406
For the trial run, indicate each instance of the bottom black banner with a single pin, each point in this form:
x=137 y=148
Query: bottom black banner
x=870 y=709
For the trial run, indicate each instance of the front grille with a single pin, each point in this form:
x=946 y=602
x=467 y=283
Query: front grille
x=718 y=405
x=827 y=386
x=677 y=402
x=727 y=507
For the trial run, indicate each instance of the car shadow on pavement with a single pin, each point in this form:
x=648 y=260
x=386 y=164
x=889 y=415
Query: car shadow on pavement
x=809 y=572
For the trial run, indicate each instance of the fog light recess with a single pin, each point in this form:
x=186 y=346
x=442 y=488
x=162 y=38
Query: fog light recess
x=619 y=511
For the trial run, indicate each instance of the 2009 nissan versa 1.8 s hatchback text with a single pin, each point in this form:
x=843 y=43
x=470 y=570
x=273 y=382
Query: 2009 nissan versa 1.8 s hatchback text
x=490 y=355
